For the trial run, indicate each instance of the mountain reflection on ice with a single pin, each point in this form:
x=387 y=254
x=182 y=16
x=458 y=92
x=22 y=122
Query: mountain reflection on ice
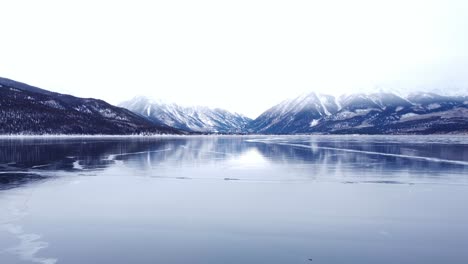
x=322 y=158
x=220 y=199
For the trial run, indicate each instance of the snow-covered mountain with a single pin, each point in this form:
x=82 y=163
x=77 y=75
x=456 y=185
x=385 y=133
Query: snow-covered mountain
x=195 y=119
x=294 y=114
x=377 y=113
x=26 y=109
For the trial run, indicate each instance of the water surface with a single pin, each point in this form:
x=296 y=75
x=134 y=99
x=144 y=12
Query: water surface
x=263 y=199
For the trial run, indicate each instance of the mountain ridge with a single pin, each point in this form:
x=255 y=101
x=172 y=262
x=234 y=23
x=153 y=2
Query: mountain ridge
x=375 y=113
x=190 y=118
x=25 y=109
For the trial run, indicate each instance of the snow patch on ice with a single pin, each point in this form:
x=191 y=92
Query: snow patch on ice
x=77 y=165
x=29 y=246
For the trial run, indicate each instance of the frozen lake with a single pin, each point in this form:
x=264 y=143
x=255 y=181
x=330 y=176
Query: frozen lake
x=263 y=199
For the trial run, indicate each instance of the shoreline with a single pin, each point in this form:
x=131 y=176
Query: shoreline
x=220 y=135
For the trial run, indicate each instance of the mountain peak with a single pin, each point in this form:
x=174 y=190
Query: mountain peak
x=189 y=118
x=375 y=113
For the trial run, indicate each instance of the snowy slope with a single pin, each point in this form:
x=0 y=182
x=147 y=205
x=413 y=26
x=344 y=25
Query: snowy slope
x=26 y=109
x=196 y=119
x=293 y=115
x=377 y=113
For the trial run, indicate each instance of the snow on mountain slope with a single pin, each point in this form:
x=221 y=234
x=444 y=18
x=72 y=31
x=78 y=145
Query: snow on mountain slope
x=25 y=109
x=196 y=118
x=377 y=113
x=31 y=110
x=293 y=115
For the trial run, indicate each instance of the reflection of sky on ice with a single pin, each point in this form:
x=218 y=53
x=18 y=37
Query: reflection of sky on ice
x=250 y=158
x=234 y=200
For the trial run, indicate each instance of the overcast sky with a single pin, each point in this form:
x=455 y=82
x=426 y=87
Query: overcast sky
x=244 y=56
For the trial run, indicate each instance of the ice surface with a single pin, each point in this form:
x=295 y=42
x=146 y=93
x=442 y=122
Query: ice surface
x=262 y=199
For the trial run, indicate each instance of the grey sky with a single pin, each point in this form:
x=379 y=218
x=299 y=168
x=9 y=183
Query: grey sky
x=244 y=56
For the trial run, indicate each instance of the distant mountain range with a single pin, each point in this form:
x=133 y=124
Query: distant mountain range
x=194 y=119
x=26 y=109
x=378 y=113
